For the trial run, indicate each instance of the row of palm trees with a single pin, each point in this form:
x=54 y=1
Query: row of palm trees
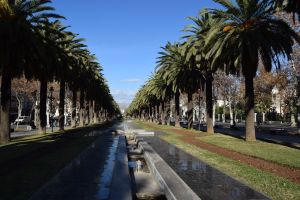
x=233 y=39
x=35 y=44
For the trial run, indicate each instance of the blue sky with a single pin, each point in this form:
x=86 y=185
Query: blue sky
x=126 y=35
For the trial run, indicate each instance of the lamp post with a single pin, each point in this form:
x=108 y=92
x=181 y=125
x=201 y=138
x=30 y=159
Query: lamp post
x=51 y=98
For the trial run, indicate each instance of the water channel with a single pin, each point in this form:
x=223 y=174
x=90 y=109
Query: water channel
x=88 y=176
x=207 y=182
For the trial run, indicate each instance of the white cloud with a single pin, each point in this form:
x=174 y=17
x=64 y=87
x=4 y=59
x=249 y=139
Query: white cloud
x=123 y=97
x=132 y=80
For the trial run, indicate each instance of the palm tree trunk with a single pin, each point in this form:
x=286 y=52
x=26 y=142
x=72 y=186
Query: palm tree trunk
x=158 y=114
x=298 y=103
x=81 y=108
x=190 y=110
x=43 y=107
x=250 y=129
x=105 y=115
x=62 y=93
x=74 y=105
x=5 y=108
x=177 y=108
x=154 y=114
x=90 y=112
x=150 y=113
x=169 y=112
x=162 y=114
x=224 y=111
x=209 y=103
x=94 y=113
x=231 y=113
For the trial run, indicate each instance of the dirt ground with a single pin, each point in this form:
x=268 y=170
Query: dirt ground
x=290 y=173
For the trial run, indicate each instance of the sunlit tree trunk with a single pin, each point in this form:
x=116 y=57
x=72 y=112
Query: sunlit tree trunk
x=230 y=113
x=158 y=114
x=5 y=109
x=74 y=105
x=62 y=94
x=250 y=129
x=298 y=103
x=43 y=107
x=177 y=108
x=214 y=113
x=209 y=103
x=190 y=110
x=90 y=112
x=81 y=108
x=94 y=112
x=224 y=112
x=169 y=112
x=162 y=113
x=150 y=113
x=154 y=113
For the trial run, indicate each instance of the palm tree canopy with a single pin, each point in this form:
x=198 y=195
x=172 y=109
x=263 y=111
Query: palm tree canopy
x=290 y=6
x=21 y=48
x=248 y=33
x=177 y=70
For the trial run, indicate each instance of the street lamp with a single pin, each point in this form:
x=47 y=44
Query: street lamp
x=51 y=98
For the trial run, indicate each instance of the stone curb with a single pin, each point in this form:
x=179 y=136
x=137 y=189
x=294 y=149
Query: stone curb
x=172 y=185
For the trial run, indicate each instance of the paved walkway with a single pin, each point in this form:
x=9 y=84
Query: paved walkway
x=92 y=175
x=32 y=132
x=262 y=134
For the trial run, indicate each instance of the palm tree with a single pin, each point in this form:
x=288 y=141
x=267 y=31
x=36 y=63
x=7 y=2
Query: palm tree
x=158 y=87
x=196 y=40
x=50 y=34
x=181 y=73
x=247 y=33
x=290 y=6
x=21 y=48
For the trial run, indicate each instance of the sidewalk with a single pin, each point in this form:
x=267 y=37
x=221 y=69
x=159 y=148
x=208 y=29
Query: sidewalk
x=263 y=134
x=34 y=132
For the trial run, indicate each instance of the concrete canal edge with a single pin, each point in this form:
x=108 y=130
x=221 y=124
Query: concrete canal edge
x=121 y=185
x=173 y=186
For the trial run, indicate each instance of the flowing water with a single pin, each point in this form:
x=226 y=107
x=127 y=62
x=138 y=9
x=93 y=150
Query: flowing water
x=88 y=176
x=206 y=181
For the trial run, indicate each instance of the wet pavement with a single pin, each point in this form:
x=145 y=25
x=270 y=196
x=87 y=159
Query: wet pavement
x=88 y=176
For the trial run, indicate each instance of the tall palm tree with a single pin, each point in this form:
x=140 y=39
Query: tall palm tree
x=180 y=72
x=158 y=87
x=21 y=48
x=246 y=33
x=202 y=25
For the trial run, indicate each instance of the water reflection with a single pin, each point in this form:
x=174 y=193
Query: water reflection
x=106 y=175
x=88 y=176
x=183 y=161
x=206 y=181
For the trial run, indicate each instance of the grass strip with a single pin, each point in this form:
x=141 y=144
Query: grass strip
x=267 y=151
x=268 y=183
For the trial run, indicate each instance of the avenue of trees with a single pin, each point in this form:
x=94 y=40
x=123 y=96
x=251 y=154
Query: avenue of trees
x=225 y=48
x=35 y=45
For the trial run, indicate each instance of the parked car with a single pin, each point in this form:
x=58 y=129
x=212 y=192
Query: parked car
x=22 y=120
